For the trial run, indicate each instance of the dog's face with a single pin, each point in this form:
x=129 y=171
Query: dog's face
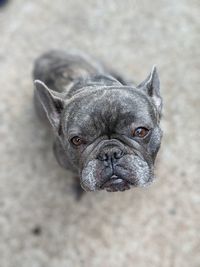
x=111 y=134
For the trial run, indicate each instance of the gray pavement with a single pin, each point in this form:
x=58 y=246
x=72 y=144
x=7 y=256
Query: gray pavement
x=41 y=223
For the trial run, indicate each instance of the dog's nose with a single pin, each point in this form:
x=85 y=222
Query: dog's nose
x=111 y=155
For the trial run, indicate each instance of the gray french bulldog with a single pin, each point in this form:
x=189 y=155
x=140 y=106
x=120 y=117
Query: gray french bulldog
x=106 y=129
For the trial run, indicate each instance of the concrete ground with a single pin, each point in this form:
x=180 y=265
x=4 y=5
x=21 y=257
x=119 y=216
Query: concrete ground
x=41 y=223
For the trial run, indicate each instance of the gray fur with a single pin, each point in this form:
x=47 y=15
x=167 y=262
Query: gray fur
x=80 y=97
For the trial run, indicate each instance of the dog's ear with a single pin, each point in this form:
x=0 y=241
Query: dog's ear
x=151 y=86
x=51 y=101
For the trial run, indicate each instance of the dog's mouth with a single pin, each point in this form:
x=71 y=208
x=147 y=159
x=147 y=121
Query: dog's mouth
x=116 y=183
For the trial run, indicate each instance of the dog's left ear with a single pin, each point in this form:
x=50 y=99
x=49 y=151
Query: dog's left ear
x=52 y=103
x=151 y=86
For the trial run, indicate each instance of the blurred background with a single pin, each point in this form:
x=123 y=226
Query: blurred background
x=41 y=223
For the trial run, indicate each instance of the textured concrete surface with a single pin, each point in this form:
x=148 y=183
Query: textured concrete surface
x=41 y=224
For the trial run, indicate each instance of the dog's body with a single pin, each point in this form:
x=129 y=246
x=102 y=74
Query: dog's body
x=106 y=130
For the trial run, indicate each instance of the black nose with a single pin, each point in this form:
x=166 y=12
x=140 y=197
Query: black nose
x=111 y=154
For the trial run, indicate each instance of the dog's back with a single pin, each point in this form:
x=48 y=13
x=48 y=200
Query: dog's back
x=58 y=70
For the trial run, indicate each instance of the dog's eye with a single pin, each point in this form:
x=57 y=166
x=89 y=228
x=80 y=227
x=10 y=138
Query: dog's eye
x=140 y=132
x=76 y=140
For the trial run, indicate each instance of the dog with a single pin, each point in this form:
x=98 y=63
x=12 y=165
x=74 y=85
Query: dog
x=106 y=128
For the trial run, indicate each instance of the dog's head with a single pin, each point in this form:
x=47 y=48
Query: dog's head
x=111 y=134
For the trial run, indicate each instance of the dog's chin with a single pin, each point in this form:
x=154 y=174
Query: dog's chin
x=136 y=173
x=116 y=183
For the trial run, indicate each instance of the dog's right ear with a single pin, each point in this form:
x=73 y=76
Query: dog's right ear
x=151 y=86
x=52 y=103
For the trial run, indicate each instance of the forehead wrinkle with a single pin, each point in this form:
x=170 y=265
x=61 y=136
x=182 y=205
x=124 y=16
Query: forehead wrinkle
x=106 y=112
x=105 y=108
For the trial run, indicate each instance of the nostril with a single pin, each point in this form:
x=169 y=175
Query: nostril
x=118 y=154
x=105 y=157
x=113 y=154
